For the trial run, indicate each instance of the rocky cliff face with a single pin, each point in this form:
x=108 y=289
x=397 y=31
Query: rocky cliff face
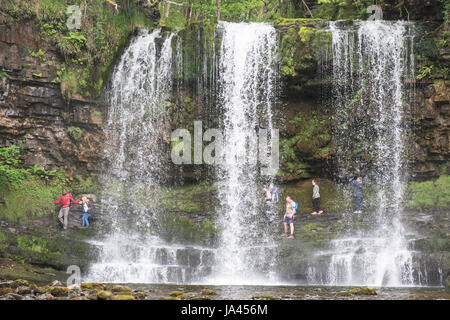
x=305 y=125
x=53 y=133
x=64 y=134
x=432 y=122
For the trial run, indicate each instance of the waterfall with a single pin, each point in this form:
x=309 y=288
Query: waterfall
x=371 y=64
x=131 y=249
x=247 y=82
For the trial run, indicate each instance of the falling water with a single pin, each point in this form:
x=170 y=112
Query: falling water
x=132 y=250
x=371 y=63
x=247 y=93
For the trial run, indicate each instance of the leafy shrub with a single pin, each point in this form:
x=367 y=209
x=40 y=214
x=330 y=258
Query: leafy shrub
x=430 y=194
x=75 y=133
x=28 y=192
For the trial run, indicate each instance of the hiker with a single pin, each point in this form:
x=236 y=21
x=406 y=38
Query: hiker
x=268 y=194
x=274 y=191
x=289 y=217
x=85 y=210
x=358 y=194
x=66 y=201
x=316 y=198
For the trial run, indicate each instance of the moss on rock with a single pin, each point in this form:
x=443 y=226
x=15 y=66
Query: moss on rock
x=119 y=288
x=104 y=295
x=208 y=292
x=365 y=291
x=59 y=291
x=92 y=286
x=4 y=291
x=123 y=297
x=176 y=293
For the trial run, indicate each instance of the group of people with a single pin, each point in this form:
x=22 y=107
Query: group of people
x=271 y=196
x=66 y=200
x=292 y=206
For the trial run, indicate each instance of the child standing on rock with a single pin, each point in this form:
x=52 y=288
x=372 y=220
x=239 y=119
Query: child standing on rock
x=85 y=210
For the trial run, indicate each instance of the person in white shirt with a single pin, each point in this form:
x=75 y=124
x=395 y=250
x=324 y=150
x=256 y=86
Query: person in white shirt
x=316 y=198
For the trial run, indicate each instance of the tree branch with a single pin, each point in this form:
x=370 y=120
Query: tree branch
x=310 y=13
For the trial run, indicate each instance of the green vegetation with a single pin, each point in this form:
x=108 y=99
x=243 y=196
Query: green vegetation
x=27 y=193
x=75 y=133
x=430 y=194
x=342 y=9
x=88 y=52
x=301 y=48
x=12 y=270
x=86 y=183
x=311 y=143
x=182 y=229
x=188 y=198
x=194 y=11
x=430 y=45
x=39 y=54
x=3 y=241
x=365 y=291
x=34 y=244
x=97 y=114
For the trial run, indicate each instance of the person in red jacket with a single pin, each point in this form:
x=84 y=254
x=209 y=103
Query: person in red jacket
x=66 y=201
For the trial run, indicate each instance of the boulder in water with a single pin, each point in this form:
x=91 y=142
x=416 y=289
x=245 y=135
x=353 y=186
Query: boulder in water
x=57 y=283
x=364 y=291
x=104 y=295
x=118 y=288
x=123 y=297
x=208 y=292
x=23 y=290
x=4 y=291
x=74 y=287
x=19 y=282
x=92 y=286
x=59 y=291
x=176 y=293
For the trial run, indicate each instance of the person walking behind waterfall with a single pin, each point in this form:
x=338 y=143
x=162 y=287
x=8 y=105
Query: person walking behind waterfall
x=274 y=191
x=268 y=194
x=316 y=198
x=85 y=210
x=66 y=201
x=358 y=194
x=289 y=217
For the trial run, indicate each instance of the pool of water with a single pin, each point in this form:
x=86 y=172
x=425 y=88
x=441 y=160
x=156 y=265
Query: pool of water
x=237 y=292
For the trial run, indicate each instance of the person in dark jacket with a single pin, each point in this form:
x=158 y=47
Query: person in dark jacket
x=358 y=194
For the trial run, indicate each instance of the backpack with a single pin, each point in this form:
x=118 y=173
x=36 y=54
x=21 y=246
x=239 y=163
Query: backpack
x=296 y=206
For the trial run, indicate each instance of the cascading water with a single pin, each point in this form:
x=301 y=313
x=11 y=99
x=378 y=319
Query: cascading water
x=131 y=250
x=371 y=64
x=247 y=93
